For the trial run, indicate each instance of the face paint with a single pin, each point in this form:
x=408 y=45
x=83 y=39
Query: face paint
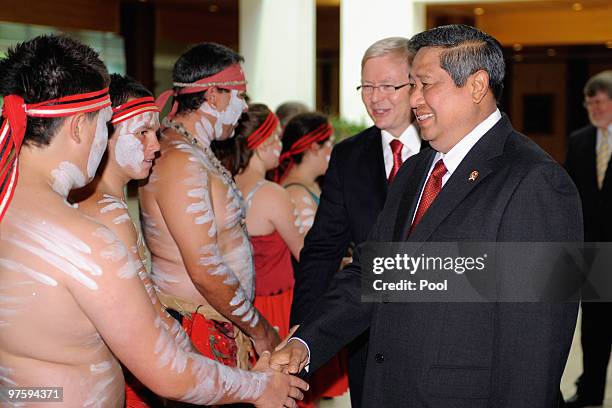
x=66 y=177
x=99 y=143
x=232 y=113
x=129 y=150
x=228 y=117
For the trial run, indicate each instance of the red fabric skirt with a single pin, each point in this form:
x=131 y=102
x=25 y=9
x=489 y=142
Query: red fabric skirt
x=212 y=338
x=137 y=395
x=276 y=310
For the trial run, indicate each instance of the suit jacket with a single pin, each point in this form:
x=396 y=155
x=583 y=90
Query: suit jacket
x=462 y=355
x=353 y=194
x=581 y=164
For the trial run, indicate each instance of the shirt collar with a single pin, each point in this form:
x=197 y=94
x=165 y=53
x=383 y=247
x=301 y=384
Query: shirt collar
x=409 y=138
x=453 y=158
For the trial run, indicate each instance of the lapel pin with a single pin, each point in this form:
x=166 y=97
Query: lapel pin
x=473 y=175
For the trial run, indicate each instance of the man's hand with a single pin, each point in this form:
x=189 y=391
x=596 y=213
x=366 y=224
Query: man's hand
x=290 y=359
x=281 y=390
x=267 y=342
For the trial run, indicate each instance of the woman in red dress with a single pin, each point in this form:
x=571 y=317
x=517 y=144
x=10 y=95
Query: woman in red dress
x=271 y=218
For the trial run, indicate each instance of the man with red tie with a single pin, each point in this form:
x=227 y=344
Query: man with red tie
x=356 y=183
x=481 y=181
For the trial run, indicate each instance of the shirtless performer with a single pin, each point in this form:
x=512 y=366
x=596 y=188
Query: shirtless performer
x=193 y=213
x=71 y=301
x=132 y=145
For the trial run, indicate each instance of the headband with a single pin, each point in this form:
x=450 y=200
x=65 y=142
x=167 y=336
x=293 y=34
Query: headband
x=133 y=108
x=15 y=112
x=320 y=134
x=263 y=131
x=231 y=77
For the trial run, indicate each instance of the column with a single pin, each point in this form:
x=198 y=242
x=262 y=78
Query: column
x=362 y=22
x=277 y=40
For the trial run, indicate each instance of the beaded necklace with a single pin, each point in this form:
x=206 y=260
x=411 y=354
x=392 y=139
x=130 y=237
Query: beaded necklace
x=212 y=159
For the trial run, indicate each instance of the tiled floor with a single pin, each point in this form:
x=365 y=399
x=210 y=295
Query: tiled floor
x=572 y=369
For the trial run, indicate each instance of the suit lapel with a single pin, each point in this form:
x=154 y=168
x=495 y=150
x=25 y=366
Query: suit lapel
x=460 y=184
x=374 y=164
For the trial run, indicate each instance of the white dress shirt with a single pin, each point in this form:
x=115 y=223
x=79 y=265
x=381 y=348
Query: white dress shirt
x=457 y=153
x=411 y=141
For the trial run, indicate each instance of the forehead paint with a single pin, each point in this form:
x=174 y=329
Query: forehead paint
x=99 y=143
x=66 y=177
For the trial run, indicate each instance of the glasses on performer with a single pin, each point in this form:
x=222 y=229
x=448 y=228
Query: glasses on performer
x=384 y=89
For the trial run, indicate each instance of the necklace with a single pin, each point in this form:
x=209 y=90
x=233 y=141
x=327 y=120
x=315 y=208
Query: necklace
x=212 y=159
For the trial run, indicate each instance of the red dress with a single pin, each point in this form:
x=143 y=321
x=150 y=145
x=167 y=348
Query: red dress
x=273 y=279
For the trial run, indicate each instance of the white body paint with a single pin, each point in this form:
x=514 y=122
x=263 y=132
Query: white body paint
x=129 y=150
x=100 y=141
x=66 y=177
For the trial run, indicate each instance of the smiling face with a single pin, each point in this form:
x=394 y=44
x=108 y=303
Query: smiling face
x=134 y=144
x=444 y=112
x=599 y=107
x=389 y=112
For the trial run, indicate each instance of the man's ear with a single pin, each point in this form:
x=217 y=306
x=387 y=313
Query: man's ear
x=77 y=127
x=211 y=96
x=479 y=85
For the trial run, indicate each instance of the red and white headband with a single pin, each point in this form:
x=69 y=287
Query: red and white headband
x=15 y=112
x=133 y=108
x=231 y=77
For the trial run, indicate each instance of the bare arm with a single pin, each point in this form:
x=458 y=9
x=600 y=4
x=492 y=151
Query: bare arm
x=117 y=304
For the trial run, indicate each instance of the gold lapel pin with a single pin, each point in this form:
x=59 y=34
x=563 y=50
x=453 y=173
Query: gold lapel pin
x=473 y=175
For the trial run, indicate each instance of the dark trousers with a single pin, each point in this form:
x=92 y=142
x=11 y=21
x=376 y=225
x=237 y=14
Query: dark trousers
x=357 y=358
x=596 y=341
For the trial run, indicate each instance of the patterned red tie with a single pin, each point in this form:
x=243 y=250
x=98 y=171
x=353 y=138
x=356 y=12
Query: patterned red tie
x=431 y=190
x=396 y=148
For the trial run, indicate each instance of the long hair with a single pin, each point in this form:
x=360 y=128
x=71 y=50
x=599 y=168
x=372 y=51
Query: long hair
x=234 y=153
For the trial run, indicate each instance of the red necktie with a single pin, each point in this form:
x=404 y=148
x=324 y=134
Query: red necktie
x=431 y=190
x=396 y=148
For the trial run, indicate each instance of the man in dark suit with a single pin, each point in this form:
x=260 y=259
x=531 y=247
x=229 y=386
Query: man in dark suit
x=587 y=161
x=480 y=181
x=355 y=185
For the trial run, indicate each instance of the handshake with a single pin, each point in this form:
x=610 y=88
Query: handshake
x=287 y=360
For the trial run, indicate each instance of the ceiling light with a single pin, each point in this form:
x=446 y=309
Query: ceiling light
x=517 y=47
x=213 y=8
x=577 y=6
x=479 y=11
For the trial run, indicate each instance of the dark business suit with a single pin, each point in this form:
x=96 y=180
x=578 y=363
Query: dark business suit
x=462 y=355
x=597 y=209
x=353 y=194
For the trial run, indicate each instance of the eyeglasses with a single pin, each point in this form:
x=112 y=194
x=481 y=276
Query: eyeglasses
x=594 y=102
x=383 y=89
